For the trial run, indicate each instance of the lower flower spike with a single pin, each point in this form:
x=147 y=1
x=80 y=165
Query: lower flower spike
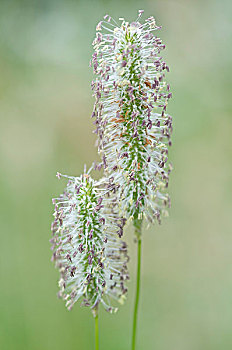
x=87 y=250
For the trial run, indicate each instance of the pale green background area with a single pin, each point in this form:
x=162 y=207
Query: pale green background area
x=45 y=126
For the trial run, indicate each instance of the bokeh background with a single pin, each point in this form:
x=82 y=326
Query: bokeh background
x=45 y=126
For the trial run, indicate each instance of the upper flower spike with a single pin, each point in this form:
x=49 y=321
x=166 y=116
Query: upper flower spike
x=91 y=258
x=132 y=124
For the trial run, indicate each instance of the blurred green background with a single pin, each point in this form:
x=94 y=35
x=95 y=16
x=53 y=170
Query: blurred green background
x=45 y=126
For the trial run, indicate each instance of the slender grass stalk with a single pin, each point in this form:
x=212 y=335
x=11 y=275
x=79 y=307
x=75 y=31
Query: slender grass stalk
x=138 y=231
x=96 y=331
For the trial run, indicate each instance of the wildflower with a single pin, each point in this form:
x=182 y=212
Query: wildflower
x=91 y=258
x=132 y=124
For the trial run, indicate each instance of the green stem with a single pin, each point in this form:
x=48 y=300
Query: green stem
x=138 y=229
x=96 y=331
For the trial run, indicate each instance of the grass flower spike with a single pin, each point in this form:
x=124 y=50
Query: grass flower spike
x=131 y=120
x=132 y=123
x=91 y=258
